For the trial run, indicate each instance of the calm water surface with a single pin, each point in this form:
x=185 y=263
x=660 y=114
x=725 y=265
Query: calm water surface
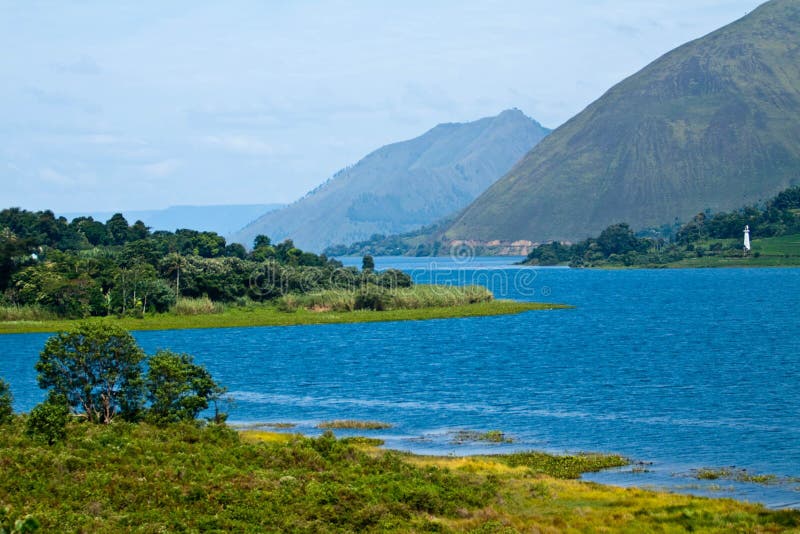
x=681 y=368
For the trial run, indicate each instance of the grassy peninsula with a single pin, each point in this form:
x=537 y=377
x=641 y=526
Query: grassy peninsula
x=128 y=477
x=271 y=315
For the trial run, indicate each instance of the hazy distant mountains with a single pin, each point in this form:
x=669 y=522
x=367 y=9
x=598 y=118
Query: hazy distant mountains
x=713 y=124
x=403 y=186
x=221 y=219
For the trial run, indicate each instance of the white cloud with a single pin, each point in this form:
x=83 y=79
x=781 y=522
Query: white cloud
x=52 y=177
x=242 y=144
x=162 y=168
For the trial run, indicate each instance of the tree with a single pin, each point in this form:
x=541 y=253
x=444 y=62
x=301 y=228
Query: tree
x=177 y=388
x=118 y=229
x=368 y=263
x=48 y=420
x=97 y=368
x=6 y=399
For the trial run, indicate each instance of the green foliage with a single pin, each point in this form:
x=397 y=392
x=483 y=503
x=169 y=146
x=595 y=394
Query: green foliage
x=377 y=298
x=88 y=268
x=97 y=368
x=48 y=420
x=196 y=306
x=490 y=436
x=6 y=401
x=705 y=236
x=178 y=389
x=568 y=467
x=9 y=525
x=354 y=425
x=186 y=478
x=367 y=263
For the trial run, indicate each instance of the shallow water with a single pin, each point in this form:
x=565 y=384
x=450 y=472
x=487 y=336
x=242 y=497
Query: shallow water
x=681 y=368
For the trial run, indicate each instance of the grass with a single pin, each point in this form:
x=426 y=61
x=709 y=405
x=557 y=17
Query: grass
x=197 y=306
x=269 y=315
x=354 y=425
x=25 y=313
x=409 y=298
x=184 y=478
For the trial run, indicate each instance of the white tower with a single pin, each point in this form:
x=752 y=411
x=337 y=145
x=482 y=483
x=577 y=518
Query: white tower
x=747 y=238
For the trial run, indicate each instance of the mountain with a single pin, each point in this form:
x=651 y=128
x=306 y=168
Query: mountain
x=405 y=185
x=714 y=124
x=223 y=219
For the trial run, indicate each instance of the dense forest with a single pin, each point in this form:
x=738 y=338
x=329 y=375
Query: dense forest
x=85 y=267
x=706 y=234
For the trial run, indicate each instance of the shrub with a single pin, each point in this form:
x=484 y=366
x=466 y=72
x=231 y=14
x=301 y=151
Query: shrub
x=48 y=420
x=6 y=399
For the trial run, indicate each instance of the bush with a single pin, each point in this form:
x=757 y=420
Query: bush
x=48 y=421
x=6 y=399
x=371 y=298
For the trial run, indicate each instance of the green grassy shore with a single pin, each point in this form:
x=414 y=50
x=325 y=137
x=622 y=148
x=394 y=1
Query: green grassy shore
x=184 y=478
x=269 y=315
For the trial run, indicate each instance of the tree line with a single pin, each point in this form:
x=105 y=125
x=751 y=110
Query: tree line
x=619 y=244
x=83 y=267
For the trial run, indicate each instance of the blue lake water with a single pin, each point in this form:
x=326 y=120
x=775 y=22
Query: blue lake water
x=681 y=368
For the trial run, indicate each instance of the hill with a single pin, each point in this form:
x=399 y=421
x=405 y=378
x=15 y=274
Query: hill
x=222 y=219
x=405 y=185
x=714 y=124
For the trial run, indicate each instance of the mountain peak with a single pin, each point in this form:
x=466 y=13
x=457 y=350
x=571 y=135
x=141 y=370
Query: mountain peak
x=713 y=124
x=405 y=185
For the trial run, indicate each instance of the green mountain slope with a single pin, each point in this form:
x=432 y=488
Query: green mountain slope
x=403 y=186
x=714 y=124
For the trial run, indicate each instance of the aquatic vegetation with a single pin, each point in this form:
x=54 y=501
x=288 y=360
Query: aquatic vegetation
x=490 y=436
x=354 y=425
x=732 y=473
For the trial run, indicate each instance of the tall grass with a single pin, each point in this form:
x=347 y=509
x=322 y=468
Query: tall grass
x=197 y=306
x=421 y=296
x=25 y=313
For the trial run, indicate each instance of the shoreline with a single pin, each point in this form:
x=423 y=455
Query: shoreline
x=269 y=315
x=740 y=484
x=560 y=493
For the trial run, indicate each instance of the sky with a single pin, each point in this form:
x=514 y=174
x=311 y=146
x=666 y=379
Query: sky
x=128 y=105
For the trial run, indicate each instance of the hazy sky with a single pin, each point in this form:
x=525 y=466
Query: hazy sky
x=125 y=105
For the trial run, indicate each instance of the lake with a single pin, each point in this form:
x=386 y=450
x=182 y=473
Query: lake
x=680 y=369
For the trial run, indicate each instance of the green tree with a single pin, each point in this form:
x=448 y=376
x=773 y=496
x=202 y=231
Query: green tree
x=6 y=399
x=97 y=368
x=118 y=229
x=178 y=389
x=368 y=263
x=48 y=420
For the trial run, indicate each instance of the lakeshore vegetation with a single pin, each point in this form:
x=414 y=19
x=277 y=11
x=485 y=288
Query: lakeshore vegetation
x=708 y=240
x=54 y=271
x=117 y=446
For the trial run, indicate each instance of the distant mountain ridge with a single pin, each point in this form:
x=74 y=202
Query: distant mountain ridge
x=405 y=185
x=222 y=219
x=714 y=124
